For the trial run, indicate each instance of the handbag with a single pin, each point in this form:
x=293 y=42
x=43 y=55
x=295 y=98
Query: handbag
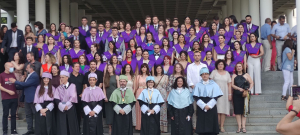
x=246 y=88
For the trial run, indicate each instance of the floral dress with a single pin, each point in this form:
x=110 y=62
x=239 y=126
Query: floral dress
x=161 y=84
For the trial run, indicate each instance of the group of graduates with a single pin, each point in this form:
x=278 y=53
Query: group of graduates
x=155 y=44
x=56 y=111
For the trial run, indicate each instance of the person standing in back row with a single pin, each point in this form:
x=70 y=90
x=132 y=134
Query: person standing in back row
x=281 y=31
x=13 y=41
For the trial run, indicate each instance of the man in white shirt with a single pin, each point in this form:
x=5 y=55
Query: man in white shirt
x=91 y=39
x=84 y=28
x=154 y=28
x=281 y=31
x=147 y=22
x=193 y=78
x=102 y=35
x=250 y=27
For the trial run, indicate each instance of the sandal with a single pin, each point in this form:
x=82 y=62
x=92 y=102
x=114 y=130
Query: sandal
x=283 y=98
x=244 y=130
x=9 y=117
x=239 y=130
x=223 y=130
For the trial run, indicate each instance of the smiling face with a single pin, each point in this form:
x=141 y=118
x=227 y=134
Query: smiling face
x=179 y=82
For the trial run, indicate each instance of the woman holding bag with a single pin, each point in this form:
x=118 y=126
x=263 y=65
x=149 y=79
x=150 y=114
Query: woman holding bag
x=241 y=83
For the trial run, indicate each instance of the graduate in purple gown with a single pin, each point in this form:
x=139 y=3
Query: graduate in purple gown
x=114 y=61
x=39 y=45
x=167 y=67
x=230 y=63
x=193 y=37
x=205 y=46
x=184 y=32
x=212 y=31
x=52 y=32
x=66 y=64
x=94 y=48
x=249 y=27
x=209 y=62
x=174 y=28
x=101 y=38
x=64 y=97
x=83 y=30
x=166 y=49
x=221 y=32
x=219 y=51
x=112 y=51
x=188 y=24
x=195 y=47
x=84 y=68
x=130 y=60
x=100 y=64
x=132 y=45
x=76 y=51
x=239 y=55
x=141 y=37
x=154 y=28
x=92 y=102
x=229 y=30
x=108 y=27
x=149 y=43
x=44 y=105
x=67 y=47
x=61 y=42
x=55 y=50
x=175 y=40
x=157 y=57
x=160 y=36
x=128 y=34
x=184 y=60
x=92 y=39
x=181 y=46
x=119 y=41
x=145 y=59
x=241 y=38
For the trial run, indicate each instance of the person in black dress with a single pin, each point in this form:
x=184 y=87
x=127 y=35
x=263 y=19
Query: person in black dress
x=240 y=103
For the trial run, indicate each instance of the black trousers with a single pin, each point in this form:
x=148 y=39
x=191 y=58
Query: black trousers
x=11 y=53
x=79 y=111
x=30 y=112
x=11 y=104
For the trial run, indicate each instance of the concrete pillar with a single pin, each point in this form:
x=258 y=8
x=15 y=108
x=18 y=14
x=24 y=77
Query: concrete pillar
x=254 y=11
x=298 y=37
x=266 y=10
x=0 y=15
x=54 y=11
x=89 y=18
x=289 y=17
x=244 y=9
x=74 y=14
x=40 y=11
x=81 y=13
x=224 y=11
x=22 y=13
x=10 y=18
x=65 y=11
x=229 y=7
x=236 y=9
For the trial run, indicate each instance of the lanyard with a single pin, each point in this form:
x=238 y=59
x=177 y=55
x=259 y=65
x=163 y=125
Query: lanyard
x=150 y=96
x=123 y=96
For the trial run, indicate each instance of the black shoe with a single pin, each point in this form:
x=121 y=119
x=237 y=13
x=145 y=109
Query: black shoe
x=28 y=133
x=4 y=132
x=14 y=132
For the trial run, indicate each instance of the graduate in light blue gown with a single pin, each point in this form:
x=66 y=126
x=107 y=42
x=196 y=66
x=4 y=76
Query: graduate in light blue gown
x=206 y=94
x=181 y=108
x=150 y=101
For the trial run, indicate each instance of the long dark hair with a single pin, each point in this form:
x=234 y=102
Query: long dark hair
x=135 y=44
x=162 y=46
x=211 y=31
x=142 y=66
x=114 y=49
x=184 y=85
x=155 y=72
x=42 y=89
x=131 y=71
x=255 y=37
x=183 y=38
x=140 y=30
x=21 y=57
x=69 y=60
x=202 y=42
x=287 y=43
x=151 y=36
x=55 y=65
x=198 y=44
x=107 y=75
x=232 y=58
x=241 y=48
x=2 y=31
x=71 y=45
x=97 y=53
x=233 y=19
x=50 y=31
x=111 y=59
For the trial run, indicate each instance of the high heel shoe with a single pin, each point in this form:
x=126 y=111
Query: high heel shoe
x=283 y=98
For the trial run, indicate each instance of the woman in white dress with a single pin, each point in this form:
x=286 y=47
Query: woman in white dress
x=127 y=70
x=222 y=78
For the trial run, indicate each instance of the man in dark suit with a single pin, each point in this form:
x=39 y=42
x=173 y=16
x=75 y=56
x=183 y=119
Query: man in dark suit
x=217 y=21
x=13 y=41
x=29 y=48
x=147 y=23
x=249 y=27
x=28 y=86
x=102 y=35
x=77 y=36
